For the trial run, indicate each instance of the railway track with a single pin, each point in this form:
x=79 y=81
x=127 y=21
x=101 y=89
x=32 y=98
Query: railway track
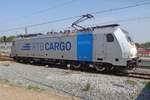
x=139 y=75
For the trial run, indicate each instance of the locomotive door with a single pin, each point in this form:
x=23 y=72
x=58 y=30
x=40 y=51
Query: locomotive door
x=100 y=47
x=84 y=46
x=13 y=50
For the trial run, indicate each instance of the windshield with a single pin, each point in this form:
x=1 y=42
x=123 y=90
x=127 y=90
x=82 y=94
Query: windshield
x=129 y=39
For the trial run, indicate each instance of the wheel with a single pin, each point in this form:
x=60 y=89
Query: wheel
x=131 y=67
x=31 y=61
x=76 y=66
x=108 y=67
x=99 y=67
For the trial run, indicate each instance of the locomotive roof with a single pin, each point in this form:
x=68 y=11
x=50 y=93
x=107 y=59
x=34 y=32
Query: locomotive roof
x=110 y=28
x=100 y=27
x=105 y=26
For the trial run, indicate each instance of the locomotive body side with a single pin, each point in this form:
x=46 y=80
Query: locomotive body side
x=46 y=47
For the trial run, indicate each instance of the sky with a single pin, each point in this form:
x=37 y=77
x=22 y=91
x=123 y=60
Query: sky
x=21 y=13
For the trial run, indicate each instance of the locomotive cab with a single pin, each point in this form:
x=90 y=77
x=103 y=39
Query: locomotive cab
x=114 y=46
x=128 y=48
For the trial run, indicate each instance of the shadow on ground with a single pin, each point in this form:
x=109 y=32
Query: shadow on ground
x=145 y=93
x=82 y=69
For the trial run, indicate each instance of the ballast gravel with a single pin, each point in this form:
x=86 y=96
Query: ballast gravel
x=85 y=85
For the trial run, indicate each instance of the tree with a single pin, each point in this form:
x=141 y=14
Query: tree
x=137 y=45
x=10 y=38
x=147 y=45
x=7 y=39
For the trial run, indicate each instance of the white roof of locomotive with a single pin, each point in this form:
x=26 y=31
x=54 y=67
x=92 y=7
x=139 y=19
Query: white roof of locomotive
x=96 y=30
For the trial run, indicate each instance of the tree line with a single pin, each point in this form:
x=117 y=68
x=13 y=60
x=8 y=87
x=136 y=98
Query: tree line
x=145 y=45
x=7 y=38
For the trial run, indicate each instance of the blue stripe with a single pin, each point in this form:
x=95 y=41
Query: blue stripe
x=84 y=46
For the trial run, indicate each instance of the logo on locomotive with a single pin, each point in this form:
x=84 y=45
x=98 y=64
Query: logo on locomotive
x=48 y=46
x=26 y=46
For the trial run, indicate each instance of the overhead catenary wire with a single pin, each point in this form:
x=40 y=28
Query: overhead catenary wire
x=110 y=22
x=142 y=1
x=122 y=20
x=120 y=8
x=73 y=17
x=42 y=11
x=51 y=8
x=129 y=19
x=43 y=23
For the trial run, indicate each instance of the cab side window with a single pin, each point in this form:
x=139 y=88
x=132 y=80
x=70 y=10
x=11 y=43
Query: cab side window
x=110 y=38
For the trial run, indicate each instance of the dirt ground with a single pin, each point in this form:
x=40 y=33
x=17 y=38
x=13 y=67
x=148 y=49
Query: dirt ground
x=4 y=57
x=9 y=92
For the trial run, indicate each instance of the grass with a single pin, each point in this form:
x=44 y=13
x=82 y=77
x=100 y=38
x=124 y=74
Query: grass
x=131 y=82
x=34 y=88
x=87 y=87
x=147 y=84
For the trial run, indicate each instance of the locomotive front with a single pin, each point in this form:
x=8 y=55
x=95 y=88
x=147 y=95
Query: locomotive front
x=129 y=50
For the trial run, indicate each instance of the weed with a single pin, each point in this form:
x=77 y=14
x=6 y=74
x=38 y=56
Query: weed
x=148 y=85
x=131 y=82
x=144 y=82
x=34 y=88
x=87 y=87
